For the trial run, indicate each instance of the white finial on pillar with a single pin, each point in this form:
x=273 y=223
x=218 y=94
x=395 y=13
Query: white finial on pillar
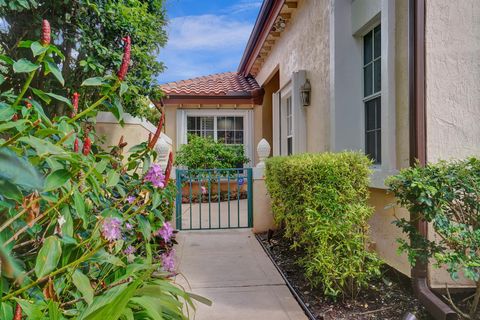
x=263 y=151
x=163 y=149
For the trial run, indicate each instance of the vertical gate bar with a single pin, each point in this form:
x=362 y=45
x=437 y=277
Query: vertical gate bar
x=190 y=197
x=200 y=197
x=238 y=199
x=209 y=200
x=250 y=197
x=179 y=199
x=218 y=193
x=228 y=197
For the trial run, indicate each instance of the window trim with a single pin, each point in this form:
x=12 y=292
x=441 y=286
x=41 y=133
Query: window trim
x=248 y=127
x=375 y=94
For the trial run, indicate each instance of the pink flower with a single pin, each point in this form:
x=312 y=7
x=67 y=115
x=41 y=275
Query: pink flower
x=155 y=176
x=129 y=250
x=168 y=261
x=204 y=190
x=131 y=199
x=166 y=231
x=111 y=229
x=46 y=37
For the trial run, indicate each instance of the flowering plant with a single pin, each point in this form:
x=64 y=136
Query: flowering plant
x=83 y=232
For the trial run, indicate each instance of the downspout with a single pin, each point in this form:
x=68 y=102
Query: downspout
x=418 y=148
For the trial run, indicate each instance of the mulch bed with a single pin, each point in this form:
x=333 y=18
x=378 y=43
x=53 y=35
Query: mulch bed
x=390 y=297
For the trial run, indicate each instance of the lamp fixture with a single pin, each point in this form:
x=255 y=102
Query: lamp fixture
x=305 y=91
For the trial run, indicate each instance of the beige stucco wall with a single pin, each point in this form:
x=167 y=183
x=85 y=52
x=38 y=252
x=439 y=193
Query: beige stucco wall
x=453 y=78
x=134 y=131
x=453 y=89
x=383 y=233
x=111 y=133
x=304 y=45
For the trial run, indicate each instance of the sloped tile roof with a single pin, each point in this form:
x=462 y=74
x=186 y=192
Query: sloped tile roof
x=220 y=84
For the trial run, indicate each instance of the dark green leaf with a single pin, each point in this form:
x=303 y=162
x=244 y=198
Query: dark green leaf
x=18 y=171
x=6 y=59
x=59 y=98
x=112 y=178
x=56 y=72
x=82 y=283
x=24 y=66
x=145 y=227
x=96 y=81
x=57 y=179
x=6 y=112
x=48 y=256
x=37 y=48
x=80 y=207
x=42 y=95
x=43 y=147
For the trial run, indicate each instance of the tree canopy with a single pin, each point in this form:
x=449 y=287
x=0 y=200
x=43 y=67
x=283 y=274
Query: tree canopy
x=88 y=32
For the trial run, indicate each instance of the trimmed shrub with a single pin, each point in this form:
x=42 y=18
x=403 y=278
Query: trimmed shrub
x=321 y=202
x=206 y=153
x=446 y=195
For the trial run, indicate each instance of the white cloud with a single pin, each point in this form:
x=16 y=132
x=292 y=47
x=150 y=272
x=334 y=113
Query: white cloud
x=246 y=5
x=207 y=32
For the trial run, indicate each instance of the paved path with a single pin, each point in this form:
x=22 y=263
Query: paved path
x=231 y=269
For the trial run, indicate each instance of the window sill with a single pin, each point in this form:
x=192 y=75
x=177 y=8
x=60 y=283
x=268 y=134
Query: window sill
x=379 y=175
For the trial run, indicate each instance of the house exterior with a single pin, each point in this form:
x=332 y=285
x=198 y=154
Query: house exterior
x=398 y=80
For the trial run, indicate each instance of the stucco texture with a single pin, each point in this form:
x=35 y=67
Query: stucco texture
x=304 y=45
x=452 y=91
x=453 y=78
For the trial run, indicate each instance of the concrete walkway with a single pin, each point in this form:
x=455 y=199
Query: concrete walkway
x=231 y=269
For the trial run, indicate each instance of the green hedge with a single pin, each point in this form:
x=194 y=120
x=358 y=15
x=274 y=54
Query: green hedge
x=321 y=202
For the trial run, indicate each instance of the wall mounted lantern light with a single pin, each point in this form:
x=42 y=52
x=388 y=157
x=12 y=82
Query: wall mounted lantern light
x=305 y=91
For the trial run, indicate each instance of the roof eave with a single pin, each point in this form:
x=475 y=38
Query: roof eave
x=255 y=98
x=264 y=23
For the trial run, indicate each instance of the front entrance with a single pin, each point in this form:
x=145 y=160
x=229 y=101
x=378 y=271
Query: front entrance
x=214 y=199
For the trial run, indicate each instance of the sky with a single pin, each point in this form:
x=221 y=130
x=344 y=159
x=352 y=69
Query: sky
x=206 y=36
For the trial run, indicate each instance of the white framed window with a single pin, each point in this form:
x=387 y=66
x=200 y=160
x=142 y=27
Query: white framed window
x=289 y=117
x=226 y=129
x=233 y=127
x=372 y=86
x=363 y=98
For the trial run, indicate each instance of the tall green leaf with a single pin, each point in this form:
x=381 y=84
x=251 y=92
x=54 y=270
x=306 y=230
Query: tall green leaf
x=48 y=256
x=80 y=207
x=57 y=179
x=56 y=72
x=82 y=283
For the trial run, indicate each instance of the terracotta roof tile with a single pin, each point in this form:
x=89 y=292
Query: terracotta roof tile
x=220 y=84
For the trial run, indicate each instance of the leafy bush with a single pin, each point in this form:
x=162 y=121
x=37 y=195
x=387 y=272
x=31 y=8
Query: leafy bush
x=83 y=232
x=321 y=201
x=206 y=153
x=447 y=195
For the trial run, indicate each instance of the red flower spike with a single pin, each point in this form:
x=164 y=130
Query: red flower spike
x=18 y=313
x=87 y=145
x=75 y=98
x=46 y=37
x=152 y=142
x=75 y=145
x=126 y=59
x=168 y=170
